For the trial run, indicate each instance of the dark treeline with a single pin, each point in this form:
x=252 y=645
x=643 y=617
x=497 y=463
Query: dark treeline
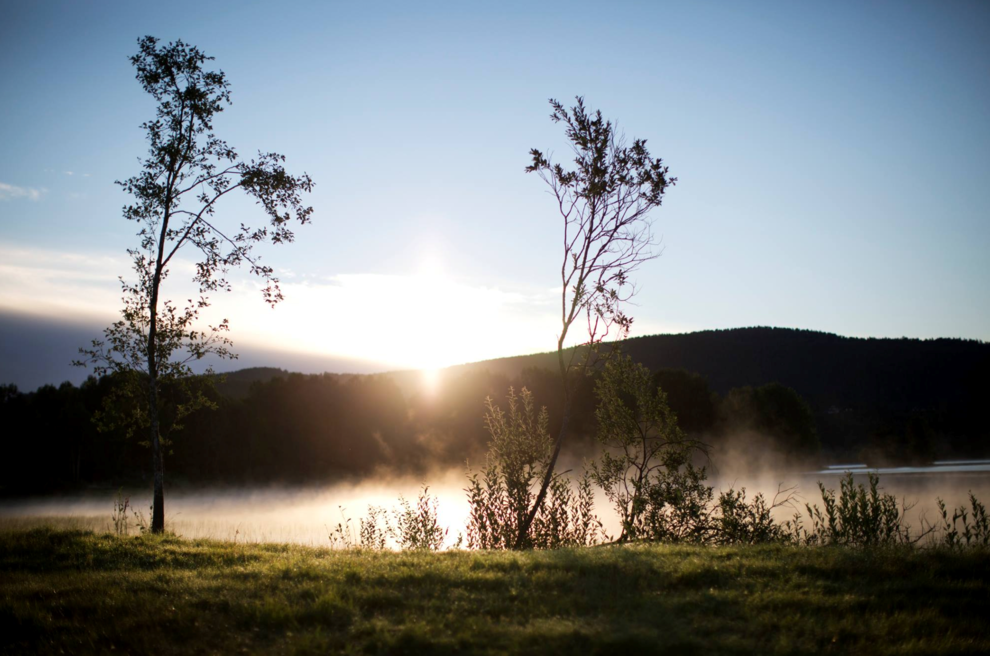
x=268 y=426
x=759 y=391
x=287 y=427
x=883 y=400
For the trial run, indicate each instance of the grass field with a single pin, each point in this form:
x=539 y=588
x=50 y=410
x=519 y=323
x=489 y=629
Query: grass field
x=78 y=592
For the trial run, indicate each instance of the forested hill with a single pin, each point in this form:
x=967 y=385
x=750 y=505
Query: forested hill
x=932 y=390
x=804 y=395
x=829 y=371
x=237 y=384
x=870 y=378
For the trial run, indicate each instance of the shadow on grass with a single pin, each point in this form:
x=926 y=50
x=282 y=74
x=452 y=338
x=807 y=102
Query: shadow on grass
x=86 y=593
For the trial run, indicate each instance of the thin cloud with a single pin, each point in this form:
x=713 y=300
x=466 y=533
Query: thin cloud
x=404 y=321
x=9 y=192
x=59 y=284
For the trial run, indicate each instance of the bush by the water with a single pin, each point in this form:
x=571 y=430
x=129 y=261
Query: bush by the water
x=504 y=492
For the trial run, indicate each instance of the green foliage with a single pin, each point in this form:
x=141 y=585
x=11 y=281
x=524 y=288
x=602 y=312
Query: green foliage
x=124 y=408
x=503 y=493
x=738 y=521
x=646 y=471
x=567 y=517
x=860 y=516
x=975 y=525
x=187 y=171
x=419 y=527
x=374 y=529
x=605 y=203
x=412 y=527
x=645 y=468
x=676 y=502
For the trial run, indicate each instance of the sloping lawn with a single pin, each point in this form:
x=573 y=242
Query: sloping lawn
x=75 y=592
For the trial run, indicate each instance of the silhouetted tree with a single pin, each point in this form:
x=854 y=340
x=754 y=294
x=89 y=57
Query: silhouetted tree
x=605 y=203
x=645 y=469
x=187 y=172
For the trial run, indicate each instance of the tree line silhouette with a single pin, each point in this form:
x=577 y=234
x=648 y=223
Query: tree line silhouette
x=883 y=400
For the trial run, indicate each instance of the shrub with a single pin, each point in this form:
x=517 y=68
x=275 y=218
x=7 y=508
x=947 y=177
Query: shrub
x=645 y=468
x=567 y=517
x=341 y=536
x=121 y=506
x=502 y=494
x=859 y=517
x=418 y=527
x=736 y=521
x=975 y=533
x=374 y=529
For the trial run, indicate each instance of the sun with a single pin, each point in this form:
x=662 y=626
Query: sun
x=431 y=380
x=426 y=318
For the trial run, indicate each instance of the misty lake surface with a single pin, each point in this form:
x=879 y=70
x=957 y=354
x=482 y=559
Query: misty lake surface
x=938 y=468
x=308 y=515
x=303 y=515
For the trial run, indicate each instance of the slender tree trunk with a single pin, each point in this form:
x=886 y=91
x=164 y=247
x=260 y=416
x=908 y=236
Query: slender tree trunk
x=158 y=494
x=522 y=537
x=158 y=503
x=158 y=491
x=157 y=465
x=636 y=506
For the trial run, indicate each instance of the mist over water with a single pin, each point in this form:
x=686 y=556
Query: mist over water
x=302 y=515
x=307 y=515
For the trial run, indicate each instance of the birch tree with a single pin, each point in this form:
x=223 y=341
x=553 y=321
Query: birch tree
x=184 y=179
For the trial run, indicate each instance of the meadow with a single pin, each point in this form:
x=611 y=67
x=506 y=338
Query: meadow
x=66 y=591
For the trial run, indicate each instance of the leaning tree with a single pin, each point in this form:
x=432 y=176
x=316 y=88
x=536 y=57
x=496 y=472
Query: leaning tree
x=176 y=195
x=604 y=202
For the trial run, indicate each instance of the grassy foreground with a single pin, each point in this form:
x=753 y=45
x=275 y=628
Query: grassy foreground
x=75 y=592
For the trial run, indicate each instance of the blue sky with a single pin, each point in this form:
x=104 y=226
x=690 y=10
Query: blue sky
x=832 y=165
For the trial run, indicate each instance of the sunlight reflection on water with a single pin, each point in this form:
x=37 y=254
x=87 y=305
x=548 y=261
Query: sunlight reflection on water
x=307 y=515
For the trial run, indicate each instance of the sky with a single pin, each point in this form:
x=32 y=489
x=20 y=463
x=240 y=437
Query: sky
x=831 y=162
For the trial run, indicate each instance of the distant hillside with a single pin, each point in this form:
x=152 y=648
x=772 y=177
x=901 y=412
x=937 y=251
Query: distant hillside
x=898 y=401
x=857 y=387
x=833 y=373
x=827 y=369
x=237 y=384
x=891 y=392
